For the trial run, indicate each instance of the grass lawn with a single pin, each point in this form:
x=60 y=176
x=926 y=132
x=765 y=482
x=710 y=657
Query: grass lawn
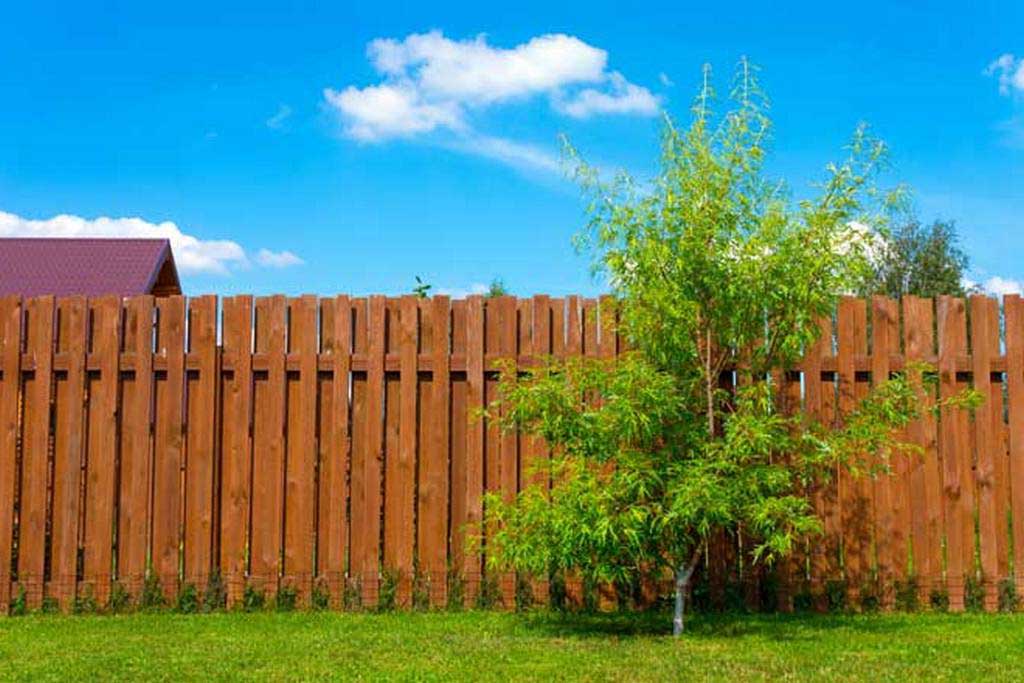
x=505 y=647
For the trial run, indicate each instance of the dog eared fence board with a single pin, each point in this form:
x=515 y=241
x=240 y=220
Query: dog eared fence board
x=337 y=446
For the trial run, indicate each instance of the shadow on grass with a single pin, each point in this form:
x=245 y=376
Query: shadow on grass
x=776 y=626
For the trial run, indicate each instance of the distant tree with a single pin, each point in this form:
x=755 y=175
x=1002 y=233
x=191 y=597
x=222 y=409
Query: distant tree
x=497 y=288
x=422 y=289
x=920 y=261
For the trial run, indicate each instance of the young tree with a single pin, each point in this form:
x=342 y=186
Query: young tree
x=496 y=288
x=919 y=260
x=712 y=266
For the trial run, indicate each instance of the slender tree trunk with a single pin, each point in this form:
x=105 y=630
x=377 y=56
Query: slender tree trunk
x=683 y=575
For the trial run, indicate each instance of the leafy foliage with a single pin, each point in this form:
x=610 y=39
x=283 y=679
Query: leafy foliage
x=918 y=260
x=713 y=266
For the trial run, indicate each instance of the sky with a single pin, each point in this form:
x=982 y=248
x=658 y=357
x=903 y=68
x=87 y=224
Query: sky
x=350 y=147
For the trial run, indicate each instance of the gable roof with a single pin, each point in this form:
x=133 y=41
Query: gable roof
x=90 y=267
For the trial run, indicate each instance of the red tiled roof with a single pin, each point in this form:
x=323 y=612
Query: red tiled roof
x=90 y=267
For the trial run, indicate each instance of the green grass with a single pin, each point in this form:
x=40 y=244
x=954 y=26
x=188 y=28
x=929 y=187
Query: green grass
x=507 y=647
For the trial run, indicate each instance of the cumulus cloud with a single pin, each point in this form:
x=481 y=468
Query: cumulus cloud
x=191 y=254
x=995 y=286
x=1009 y=71
x=431 y=83
x=622 y=98
x=277 y=259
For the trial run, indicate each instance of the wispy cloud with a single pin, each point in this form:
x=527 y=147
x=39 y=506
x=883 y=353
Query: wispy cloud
x=277 y=259
x=995 y=285
x=277 y=121
x=431 y=84
x=192 y=254
x=463 y=292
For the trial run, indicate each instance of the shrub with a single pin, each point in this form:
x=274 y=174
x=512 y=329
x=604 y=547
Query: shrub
x=907 y=595
x=1008 y=598
x=152 y=593
x=974 y=594
x=188 y=599
x=287 y=599
x=19 y=605
x=320 y=598
x=120 y=599
x=215 y=597
x=253 y=599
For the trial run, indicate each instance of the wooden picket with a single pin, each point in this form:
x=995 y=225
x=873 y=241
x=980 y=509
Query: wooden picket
x=339 y=446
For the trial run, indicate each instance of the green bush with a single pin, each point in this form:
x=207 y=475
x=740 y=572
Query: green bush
x=287 y=599
x=152 y=593
x=253 y=599
x=188 y=599
x=120 y=599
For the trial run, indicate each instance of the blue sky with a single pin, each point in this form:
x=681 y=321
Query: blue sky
x=287 y=151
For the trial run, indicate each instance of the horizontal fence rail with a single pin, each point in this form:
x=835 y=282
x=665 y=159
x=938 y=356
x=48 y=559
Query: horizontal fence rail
x=333 y=447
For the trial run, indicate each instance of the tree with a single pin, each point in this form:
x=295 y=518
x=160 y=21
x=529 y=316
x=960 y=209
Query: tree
x=496 y=288
x=918 y=260
x=712 y=266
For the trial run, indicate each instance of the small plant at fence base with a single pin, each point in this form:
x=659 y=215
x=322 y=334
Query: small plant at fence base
x=387 y=597
x=152 y=593
x=187 y=601
x=489 y=592
x=456 y=590
x=320 y=597
x=524 y=598
x=907 y=595
x=287 y=599
x=938 y=599
x=352 y=599
x=85 y=602
x=215 y=595
x=420 y=591
x=19 y=605
x=50 y=605
x=120 y=599
x=974 y=594
x=1009 y=601
x=253 y=599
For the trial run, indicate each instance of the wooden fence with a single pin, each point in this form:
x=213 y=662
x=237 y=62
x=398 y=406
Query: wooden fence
x=306 y=442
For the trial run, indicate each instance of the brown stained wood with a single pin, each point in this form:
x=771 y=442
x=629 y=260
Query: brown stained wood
x=101 y=454
x=269 y=396
x=925 y=477
x=10 y=391
x=1014 y=311
x=400 y=479
x=507 y=440
x=815 y=410
x=300 y=450
x=35 y=450
x=236 y=445
x=985 y=337
x=332 y=527
x=367 y=560
x=474 y=486
x=854 y=505
x=434 y=489
x=200 y=442
x=168 y=444
x=955 y=451
x=535 y=463
x=889 y=537
x=68 y=448
x=136 y=452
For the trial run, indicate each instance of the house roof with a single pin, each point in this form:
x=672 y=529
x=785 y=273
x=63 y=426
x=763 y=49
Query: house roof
x=90 y=267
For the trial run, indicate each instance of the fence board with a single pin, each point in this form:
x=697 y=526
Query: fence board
x=10 y=403
x=985 y=341
x=136 y=451
x=35 y=450
x=1015 y=388
x=332 y=526
x=400 y=478
x=889 y=538
x=200 y=441
x=69 y=398
x=236 y=445
x=433 y=484
x=301 y=450
x=168 y=443
x=269 y=396
x=366 y=479
x=474 y=468
x=956 y=453
x=507 y=440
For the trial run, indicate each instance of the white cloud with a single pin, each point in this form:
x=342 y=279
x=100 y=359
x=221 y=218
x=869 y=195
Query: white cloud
x=665 y=80
x=379 y=112
x=191 y=254
x=277 y=259
x=433 y=84
x=276 y=122
x=1009 y=70
x=623 y=98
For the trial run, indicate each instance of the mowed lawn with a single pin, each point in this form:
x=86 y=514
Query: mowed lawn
x=482 y=646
